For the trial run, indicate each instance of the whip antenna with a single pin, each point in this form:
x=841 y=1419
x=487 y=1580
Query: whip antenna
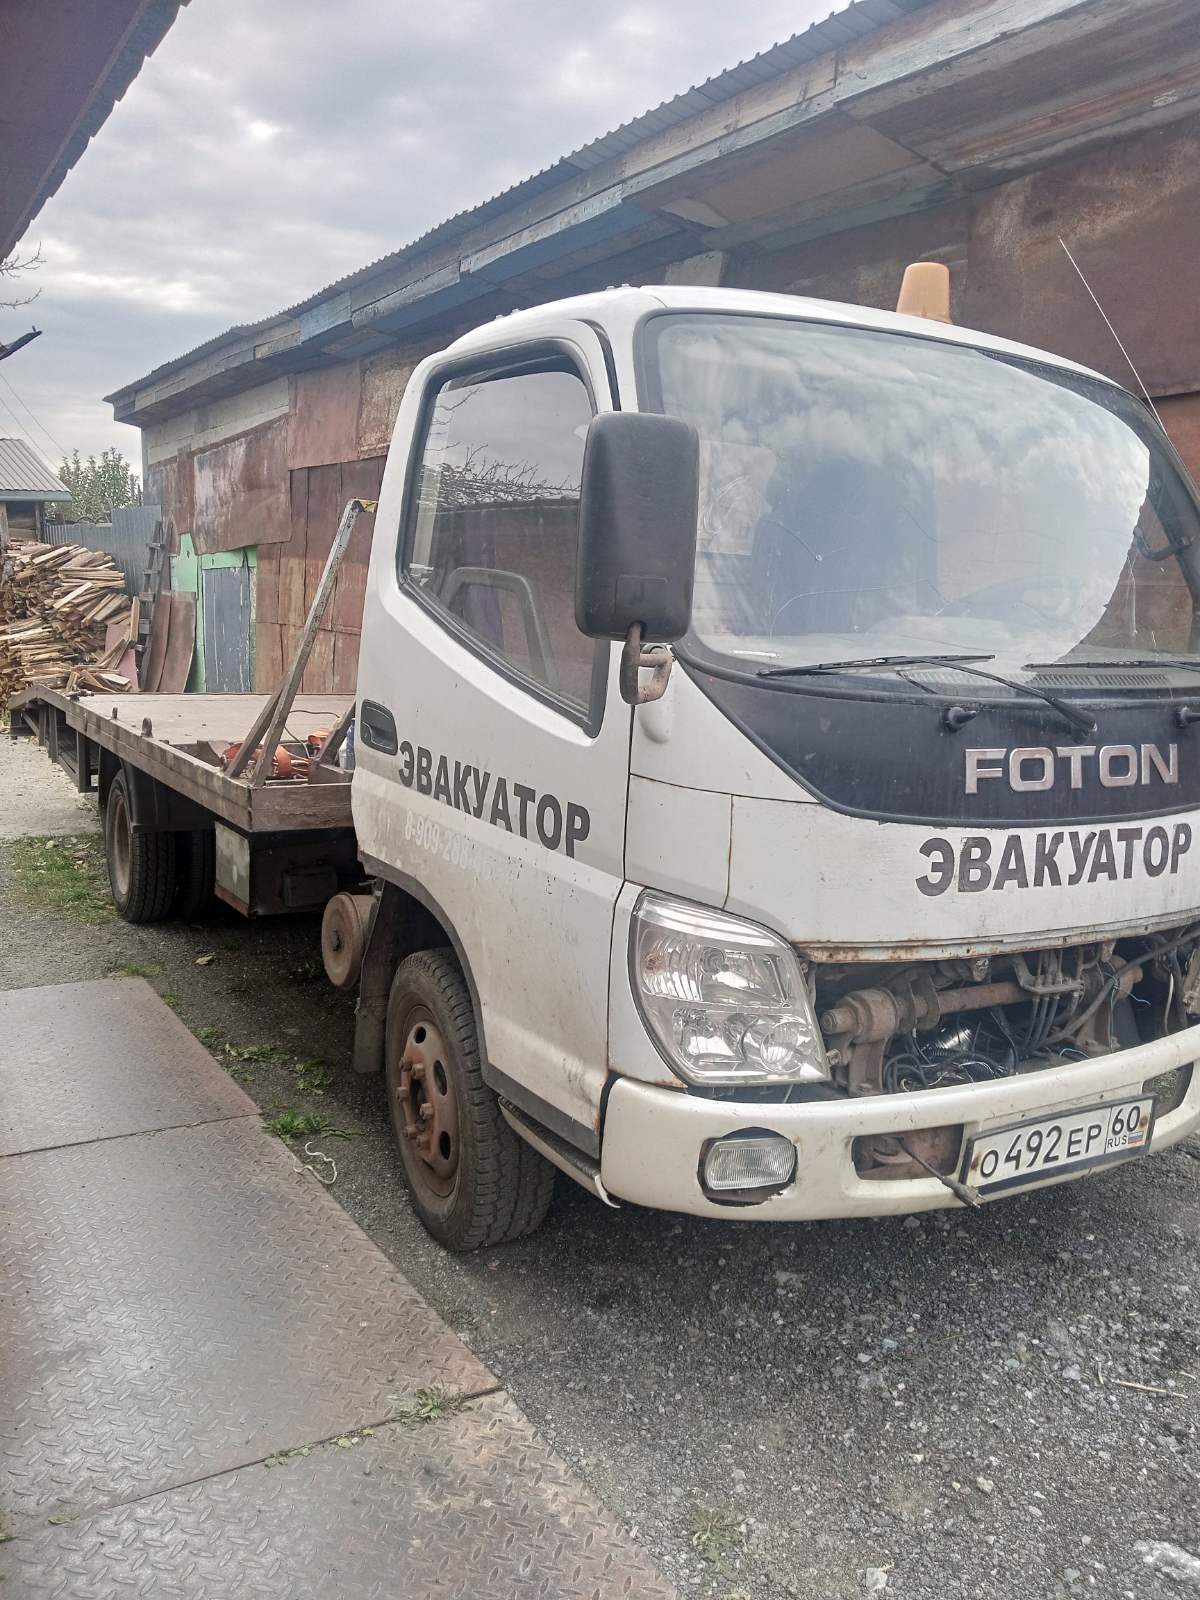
x=1112 y=330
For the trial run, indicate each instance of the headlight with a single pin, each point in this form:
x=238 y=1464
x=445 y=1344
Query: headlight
x=725 y=1001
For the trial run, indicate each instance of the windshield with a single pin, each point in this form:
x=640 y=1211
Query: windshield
x=867 y=494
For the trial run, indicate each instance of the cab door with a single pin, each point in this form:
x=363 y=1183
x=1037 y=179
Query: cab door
x=493 y=745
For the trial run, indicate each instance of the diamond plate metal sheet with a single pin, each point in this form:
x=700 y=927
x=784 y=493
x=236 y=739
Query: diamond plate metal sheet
x=177 y=1304
x=475 y=1506
x=84 y=1061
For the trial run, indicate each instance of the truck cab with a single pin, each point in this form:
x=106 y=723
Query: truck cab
x=775 y=753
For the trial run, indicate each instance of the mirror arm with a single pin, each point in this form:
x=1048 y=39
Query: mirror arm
x=634 y=657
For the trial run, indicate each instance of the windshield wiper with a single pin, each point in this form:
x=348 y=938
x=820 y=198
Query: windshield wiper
x=1121 y=661
x=867 y=661
x=1077 y=719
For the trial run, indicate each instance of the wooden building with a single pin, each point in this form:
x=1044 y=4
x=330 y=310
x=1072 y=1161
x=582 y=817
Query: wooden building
x=973 y=132
x=27 y=487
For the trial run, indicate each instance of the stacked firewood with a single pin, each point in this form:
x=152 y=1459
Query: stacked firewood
x=58 y=608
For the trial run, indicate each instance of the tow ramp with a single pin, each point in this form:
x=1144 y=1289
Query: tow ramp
x=205 y=1365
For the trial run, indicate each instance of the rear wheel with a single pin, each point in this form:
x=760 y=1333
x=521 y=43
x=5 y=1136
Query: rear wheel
x=196 y=872
x=141 y=866
x=473 y=1181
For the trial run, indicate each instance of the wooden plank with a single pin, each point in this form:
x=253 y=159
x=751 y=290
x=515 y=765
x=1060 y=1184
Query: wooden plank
x=325 y=502
x=268 y=655
x=266 y=584
x=349 y=600
x=345 y=662
x=318 y=674
x=291 y=555
x=384 y=378
x=156 y=652
x=286 y=807
x=241 y=491
x=169 y=485
x=181 y=642
x=291 y=591
x=362 y=479
x=323 y=415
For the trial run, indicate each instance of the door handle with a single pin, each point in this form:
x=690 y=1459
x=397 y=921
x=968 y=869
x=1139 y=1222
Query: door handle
x=377 y=728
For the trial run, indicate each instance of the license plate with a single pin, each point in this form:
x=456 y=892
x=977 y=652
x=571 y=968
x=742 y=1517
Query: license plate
x=1068 y=1141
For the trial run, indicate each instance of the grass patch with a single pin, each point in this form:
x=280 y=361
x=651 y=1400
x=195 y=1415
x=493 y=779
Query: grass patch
x=245 y=1058
x=305 y=1125
x=258 y=1054
x=434 y=1404
x=171 y=1000
x=135 y=969
x=715 y=1534
x=312 y=1077
x=66 y=875
x=210 y=1036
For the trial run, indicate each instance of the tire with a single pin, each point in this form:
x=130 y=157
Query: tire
x=196 y=873
x=475 y=1183
x=141 y=866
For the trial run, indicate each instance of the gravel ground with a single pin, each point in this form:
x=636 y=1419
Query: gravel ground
x=933 y=1409
x=36 y=797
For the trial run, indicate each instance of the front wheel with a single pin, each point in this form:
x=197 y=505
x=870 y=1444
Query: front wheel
x=473 y=1182
x=141 y=866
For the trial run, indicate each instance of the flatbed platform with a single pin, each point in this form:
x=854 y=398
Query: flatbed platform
x=179 y=739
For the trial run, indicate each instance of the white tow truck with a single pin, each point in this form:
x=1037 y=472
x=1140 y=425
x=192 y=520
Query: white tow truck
x=775 y=782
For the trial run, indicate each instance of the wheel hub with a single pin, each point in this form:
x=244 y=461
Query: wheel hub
x=427 y=1105
x=120 y=844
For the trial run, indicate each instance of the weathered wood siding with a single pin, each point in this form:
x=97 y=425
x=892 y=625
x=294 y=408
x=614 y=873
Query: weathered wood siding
x=1129 y=212
x=240 y=491
x=280 y=486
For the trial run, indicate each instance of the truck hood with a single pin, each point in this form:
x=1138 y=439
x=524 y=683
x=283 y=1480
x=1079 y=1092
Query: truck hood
x=923 y=843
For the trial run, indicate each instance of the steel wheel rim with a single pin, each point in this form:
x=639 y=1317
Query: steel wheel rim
x=426 y=1106
x=120 y=845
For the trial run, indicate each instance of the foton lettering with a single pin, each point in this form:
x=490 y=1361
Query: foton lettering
x=1035 y=767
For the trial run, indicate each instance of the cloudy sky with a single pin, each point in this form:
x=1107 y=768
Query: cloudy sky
x=270 y=146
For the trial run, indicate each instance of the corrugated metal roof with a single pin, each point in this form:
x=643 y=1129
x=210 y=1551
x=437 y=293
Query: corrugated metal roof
x=857 y=19
x=144 y=35
x=25 y=476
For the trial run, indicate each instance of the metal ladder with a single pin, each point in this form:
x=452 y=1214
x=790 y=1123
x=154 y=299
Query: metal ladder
x=152 y=578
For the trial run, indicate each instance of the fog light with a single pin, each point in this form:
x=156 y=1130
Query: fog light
x=748 y=1163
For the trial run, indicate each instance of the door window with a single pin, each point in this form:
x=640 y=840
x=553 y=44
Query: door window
x=495 y=535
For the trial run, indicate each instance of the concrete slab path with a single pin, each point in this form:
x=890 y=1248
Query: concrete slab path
x=208 y=1373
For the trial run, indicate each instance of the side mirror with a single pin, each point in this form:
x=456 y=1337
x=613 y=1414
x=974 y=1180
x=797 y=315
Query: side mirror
x=637 y=527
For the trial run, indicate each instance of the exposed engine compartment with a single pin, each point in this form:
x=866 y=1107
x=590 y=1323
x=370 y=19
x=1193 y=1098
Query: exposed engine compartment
x=930 y=1025
x=896 y=1028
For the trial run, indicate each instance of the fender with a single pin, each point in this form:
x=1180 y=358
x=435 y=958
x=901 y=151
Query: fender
x=407 y=918
x=153 y=807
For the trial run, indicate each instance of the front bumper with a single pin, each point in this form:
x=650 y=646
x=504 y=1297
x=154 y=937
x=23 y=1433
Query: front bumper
x=653 y=1137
